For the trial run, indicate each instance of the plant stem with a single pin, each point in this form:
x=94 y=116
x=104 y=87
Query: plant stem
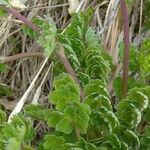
x=77 y=133
x=65 y=61
x=20 y=17
x=19 y=56
x=126 y=48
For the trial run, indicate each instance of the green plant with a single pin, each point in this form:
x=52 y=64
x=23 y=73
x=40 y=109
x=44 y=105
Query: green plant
x=93 y=121
x=101 y=126
x=17 y=134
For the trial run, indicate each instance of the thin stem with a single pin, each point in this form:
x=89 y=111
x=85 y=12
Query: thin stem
x=20 y=17
x=68 y=67
x=77 y=133
x=126 y=48
x=19 y=56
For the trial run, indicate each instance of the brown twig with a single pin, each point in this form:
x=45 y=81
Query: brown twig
x=126 y=48
x=20 y=17
x=19 y=56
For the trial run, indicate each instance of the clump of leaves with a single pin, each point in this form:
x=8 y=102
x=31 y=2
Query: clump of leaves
x=66 y=97
x=139 y=59
x=16 y=135
x=84 y=50
x=5 y=90
x=144 y=59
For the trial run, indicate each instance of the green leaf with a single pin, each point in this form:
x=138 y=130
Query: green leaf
x=133 y=57
x=93 y=88
x=2 y=13
x=30 y=32
x=146 y=114
x=129 y=2
x=65 y=125
x=129 y=137
x=16 y=133
x=146 y=23
x=48 y=35
x=86 y=145
x=5 y=90
x=37 y=112
x=108 y=59
x=145 y=140
x=139 y=99
x=53 y=142
x=84 y=78
x=27 y=147
x=144 y=59
x=125 y=107
x=117 y=86
x=76 y=115
x=64 y=96
x=13 y=144
x=91 y=38
x=132 y=83
x=66 y=92
x=3 y=68
x=104 y=120
x=73 y=42
x=96 y=66
x=111 y=142
x=25 y=129
x=3 y=116
x=9 y=131
x=96 y=101
x=70 y=53
x=147 y=130
x=124 y=146
x=54 y=118
x=62 y=80
x=98 y=82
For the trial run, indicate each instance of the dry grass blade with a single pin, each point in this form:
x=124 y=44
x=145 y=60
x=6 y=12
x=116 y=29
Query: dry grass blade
x=22 y=101
x=39 y=89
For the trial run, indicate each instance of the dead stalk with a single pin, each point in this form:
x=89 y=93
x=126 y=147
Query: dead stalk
x=126 y=48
